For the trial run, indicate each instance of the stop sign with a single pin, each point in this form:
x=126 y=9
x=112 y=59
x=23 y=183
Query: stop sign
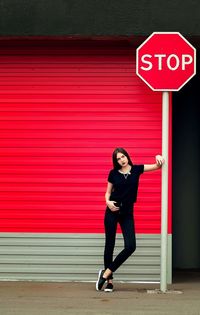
x=166 y=61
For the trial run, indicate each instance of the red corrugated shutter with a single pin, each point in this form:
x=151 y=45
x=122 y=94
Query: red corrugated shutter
x=64 y=108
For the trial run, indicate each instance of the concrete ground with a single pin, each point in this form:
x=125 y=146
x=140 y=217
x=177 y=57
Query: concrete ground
x=47 y=298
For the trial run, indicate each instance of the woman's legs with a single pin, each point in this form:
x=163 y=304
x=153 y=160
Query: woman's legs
x=127 y=226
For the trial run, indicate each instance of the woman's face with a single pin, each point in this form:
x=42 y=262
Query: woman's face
x=122 y=159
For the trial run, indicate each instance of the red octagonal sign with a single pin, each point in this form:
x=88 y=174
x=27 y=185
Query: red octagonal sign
x=166 y=61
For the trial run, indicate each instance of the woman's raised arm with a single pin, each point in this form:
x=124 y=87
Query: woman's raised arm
x=152 y=167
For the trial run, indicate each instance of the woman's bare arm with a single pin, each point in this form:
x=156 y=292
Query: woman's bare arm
x=155 y=166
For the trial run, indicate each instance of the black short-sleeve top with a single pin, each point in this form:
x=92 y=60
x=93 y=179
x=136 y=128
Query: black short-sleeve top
x=125 y=188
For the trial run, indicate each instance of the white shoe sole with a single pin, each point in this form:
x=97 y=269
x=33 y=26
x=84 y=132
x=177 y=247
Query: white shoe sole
x=108 y=290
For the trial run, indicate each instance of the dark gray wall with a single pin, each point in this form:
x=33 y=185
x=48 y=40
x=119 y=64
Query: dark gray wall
x=186 y=175
x=98 y=17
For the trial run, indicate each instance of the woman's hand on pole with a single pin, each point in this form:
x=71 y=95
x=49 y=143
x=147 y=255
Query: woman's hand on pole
x=153 y=167
x=159 y=160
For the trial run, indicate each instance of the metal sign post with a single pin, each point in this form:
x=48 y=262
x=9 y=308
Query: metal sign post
x=164 y=202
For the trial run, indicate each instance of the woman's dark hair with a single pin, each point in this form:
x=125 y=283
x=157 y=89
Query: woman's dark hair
x=114 y=157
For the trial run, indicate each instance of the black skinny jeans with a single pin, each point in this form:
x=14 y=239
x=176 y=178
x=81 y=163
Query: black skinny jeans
x=127 y=226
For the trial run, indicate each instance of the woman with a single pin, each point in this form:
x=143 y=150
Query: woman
x=121 y=194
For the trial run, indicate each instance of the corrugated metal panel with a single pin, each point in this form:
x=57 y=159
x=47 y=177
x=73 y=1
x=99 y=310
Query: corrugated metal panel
x=64 y=108
x=75 y=257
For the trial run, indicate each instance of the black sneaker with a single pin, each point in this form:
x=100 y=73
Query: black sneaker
x=100 y=282
x=109 y=287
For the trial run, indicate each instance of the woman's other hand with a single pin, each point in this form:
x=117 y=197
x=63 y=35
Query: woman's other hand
x=111 y=205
